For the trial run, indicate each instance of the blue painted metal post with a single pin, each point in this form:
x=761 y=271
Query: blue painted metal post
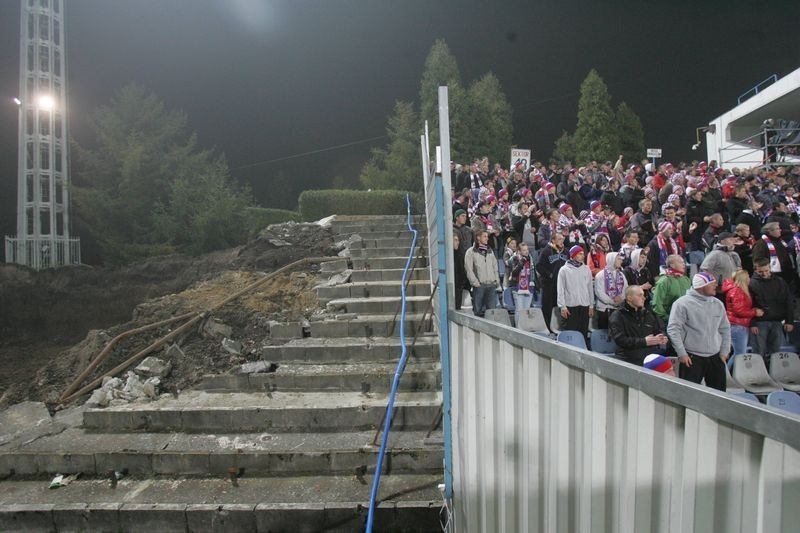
x=443 y=225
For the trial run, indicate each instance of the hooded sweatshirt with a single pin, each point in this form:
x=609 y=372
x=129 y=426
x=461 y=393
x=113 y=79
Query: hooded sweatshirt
x=698 y=325
x=608 y=284
x=575 y=287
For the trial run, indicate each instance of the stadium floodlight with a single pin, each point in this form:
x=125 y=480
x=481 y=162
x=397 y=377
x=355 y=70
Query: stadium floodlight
x=46 y=102
x=17 y=101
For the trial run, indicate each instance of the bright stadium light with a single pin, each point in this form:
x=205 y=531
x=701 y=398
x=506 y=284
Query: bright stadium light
x=17 y=101
x=46 y=102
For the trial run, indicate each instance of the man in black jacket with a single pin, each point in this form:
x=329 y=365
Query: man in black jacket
x=636 y=330
x=772 y=294
x=551 y=259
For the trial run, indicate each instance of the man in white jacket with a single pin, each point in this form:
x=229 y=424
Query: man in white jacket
x=575 y=292
x=481 y=265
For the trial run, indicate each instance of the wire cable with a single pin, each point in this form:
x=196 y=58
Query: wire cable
x=319 y=151
x=373 y=497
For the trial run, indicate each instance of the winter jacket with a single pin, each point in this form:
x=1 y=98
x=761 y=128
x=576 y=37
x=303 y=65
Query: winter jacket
x=721 y=263
x=738 y=304
x=667 y=290
x=629 y=327
x=604 y=301
x=773 y=296
x=761 y=251
x=550 y=262
x=752 y=220
x=514 y=266
x=596 y=260
x=735 y=207
x=481 y=268
x=465 y=238
x=645 y=225
x=698 y=325
x=575 y=287
x=639 y=276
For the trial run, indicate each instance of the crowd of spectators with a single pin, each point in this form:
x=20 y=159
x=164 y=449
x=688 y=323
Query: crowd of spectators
x=688 y=260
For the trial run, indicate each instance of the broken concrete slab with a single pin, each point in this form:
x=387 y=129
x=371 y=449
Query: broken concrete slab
x=231 y=346
x=23 y=416
x=214 y=328
x=154 y=367
x=257 y=367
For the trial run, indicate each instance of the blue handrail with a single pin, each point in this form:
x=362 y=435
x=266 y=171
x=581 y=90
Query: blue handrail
x=373 y=497
x=756 y=88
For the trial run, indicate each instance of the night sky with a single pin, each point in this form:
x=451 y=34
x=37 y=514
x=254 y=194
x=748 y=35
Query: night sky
x=263 y=79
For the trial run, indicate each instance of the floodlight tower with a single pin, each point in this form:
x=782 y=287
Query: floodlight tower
x=43 y=224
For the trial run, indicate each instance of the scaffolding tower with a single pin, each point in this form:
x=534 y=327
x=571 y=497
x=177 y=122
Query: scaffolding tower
x=43 y=223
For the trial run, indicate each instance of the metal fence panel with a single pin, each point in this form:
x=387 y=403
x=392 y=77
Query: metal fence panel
x=553 y=439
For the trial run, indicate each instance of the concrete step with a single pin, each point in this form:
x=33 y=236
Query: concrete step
x=297 y=504
x=372 y=377
x=378 y=233
x=342 y=219
x=198 y=411
x=367 y=228
x=386 y=252
x=260 y=454
x=368 y=289
x=376 y=305
x=360 y=263
x=398 y=242
x=351 y=350
x=389 y=274
x=370 y=326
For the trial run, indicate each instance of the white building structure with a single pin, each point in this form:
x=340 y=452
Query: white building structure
x=43 y=223
x=765 y=124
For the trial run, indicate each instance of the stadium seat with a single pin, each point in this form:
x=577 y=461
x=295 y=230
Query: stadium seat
x=786 y=400
x=784 y=368
x=508 y=299
x=731 y=384
x=498 y=315
x=746 y=396
x=601 y=342
x=750 y=371
x=532 y=320
x=696 y=257
x=573 y=338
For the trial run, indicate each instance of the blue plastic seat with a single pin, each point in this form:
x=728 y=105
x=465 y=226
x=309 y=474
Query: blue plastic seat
x=786 y=400
x=573 y=338
x=602 y=342
x=746 y=396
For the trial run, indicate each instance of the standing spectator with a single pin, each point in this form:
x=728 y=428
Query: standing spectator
x=635 y=329
x=643 y=221
x=739 y=306
x=481 y=266
x=461 y=283
x=772 y=294
x=712 y=233
x=745 y=247
x=551 y=259
x=575 y=291
x=661 y=247
x=669 y=287
x=609 y=288
x=520 y=281
x=722 y=261
x=697 y=215
x=772 y=248
x=548 y=228
x=464 y=232
x=637 y=273
x=700 y=333
x=629 y=244
x=597 y=254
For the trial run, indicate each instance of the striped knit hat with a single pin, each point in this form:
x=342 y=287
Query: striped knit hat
x=657 y=362
x=575 y=250
x=701 y=279
x=564 y=208
x=595 y=203
x=664 y=226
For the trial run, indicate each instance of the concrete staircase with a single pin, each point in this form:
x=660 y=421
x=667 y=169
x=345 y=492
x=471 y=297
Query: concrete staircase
x=290 y=450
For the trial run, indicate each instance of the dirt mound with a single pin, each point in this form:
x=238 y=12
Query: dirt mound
x=53 y=309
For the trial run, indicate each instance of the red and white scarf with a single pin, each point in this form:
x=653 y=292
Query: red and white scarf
x=614 y=282
x=564 y=223
x=525 y=274
x=665 y=250
x=774 y=262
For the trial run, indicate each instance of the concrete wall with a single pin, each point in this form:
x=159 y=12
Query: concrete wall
x=553 y=439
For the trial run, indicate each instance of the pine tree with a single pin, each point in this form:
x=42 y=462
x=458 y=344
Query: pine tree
x=399 y=165
x=596 y=134
x=564 y=149
x=630 y=133
x=488 y=120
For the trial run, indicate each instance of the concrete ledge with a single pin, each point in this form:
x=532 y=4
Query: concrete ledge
x=24 y=517
x=349 y=350
x=388 y=274
x=152 y=517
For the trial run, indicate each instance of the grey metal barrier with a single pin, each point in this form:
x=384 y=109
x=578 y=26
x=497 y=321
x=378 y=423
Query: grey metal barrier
x=551 y=438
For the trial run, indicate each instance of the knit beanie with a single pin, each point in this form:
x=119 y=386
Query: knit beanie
x=564 y=208
x=664 y=226
x=701 y=279
x=657 y=362
x=575 y=250
x=458 y=213
x=594 y=204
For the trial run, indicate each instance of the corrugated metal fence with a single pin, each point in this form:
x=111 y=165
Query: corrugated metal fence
x=554 y=439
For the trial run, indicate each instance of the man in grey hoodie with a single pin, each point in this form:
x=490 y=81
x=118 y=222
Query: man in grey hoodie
x=700 y=333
